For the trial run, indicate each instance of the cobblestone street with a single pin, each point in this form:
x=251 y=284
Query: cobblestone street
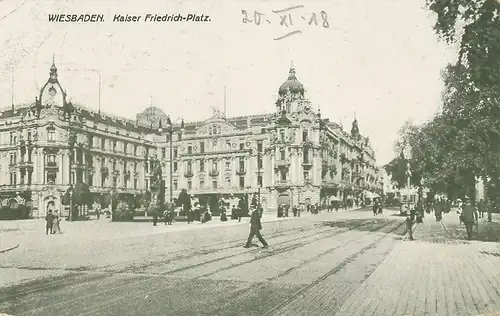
x=345 y=263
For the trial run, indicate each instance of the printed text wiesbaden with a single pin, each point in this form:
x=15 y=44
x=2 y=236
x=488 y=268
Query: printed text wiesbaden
x=124 y=18
x=75 y=18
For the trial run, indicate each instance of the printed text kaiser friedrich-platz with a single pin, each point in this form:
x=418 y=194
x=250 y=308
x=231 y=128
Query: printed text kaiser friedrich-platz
x=129 y=18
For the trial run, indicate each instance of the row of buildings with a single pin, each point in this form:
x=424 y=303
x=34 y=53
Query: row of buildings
x=293 y=156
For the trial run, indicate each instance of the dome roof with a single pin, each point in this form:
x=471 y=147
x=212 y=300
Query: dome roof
x=292 y=84
x=153 y=111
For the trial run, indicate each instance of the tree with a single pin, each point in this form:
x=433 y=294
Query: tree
x=474 y=26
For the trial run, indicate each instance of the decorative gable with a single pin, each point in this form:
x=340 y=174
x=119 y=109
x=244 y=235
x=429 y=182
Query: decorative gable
x=215 y=125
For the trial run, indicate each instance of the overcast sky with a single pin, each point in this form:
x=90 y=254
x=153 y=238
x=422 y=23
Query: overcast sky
x=378 y=60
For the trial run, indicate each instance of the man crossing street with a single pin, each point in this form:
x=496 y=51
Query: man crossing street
x=255 y=227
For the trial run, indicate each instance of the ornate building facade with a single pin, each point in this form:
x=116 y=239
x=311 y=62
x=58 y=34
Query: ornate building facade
x=51 y=143
x=293 y=156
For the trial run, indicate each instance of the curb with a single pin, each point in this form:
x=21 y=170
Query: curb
x=8 y=249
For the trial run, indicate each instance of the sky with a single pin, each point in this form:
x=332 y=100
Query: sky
x=378 y=61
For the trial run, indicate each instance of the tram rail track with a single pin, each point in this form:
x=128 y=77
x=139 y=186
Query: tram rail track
x=84 y=277
x=239 y=293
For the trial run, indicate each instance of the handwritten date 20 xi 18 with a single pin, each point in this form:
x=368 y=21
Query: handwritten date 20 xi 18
x=286 y=19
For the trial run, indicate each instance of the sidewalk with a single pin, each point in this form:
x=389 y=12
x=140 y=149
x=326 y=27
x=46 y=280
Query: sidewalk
x=440 y=273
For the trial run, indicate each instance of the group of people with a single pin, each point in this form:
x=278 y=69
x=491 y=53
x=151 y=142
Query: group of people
x=52 y=223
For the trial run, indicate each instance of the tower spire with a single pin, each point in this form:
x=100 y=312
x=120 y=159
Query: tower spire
x=225 y=105
x=12 y=88
x=99 y=93
x=292 y=65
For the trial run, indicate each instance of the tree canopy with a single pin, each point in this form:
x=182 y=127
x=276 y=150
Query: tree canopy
x=462 y=141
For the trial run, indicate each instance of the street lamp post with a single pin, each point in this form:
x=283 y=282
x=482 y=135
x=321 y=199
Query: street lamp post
x=168 y=137
x=71 y=158
x=259 y=175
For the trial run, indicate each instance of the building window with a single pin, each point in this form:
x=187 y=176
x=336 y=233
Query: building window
x=202 y=147
x=163 y=153
x=282 y=135
x=202 y=184
x=282 y=154
x=29 y=136
x=190 y=185
x=228 y=182
x=306 y=176
x=135 y=183
x=214 y=165
x=304 y=135
x=147 y=184
x=13 y=159
x=259 y=162
x=242 y=182
x=259 y=180
x=259 y=146
x=114 y=145
x=175 y=153
x=12 y=138
x=283 y=175
x=135 y=166
x=51 y=159
x=135 y=150
x=13 y=178
x=51 y=135
x=176 y=185
x=305 y=158
x=190 y=149
x=242 y=164
x=179 y=136
x=189 y=167
x=214 y=184
x=228 y=165
x=103 y=143
x=175 y=166
x=242 y=146
x=73 y=177
x=202 y=165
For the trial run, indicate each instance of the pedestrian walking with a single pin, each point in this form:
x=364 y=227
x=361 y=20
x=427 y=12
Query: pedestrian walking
x=375 y=207
x=49 y=219
x=255 y=228
x=438 y=210
x=469 y=217
x=489 y=210
x=481 y=208
x=223 y=216
x=56 y=228
x=409 y=226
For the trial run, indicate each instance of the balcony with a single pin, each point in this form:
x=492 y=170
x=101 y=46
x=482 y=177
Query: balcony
x=51 y=165
x=283 y=184
x=188 y=174
x=25 y=164
x=307 y=164
x=214 y=173
x=241 y=172
x=281 y=164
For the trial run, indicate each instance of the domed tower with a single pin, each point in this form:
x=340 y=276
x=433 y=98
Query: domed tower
x=52 y=93
x=289 y=93
x=355 y=129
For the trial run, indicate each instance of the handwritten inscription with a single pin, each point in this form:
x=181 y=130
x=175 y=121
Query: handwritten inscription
x=285 y=18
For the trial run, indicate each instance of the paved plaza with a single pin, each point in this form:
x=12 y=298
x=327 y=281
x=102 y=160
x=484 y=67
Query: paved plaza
x=346 y=263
